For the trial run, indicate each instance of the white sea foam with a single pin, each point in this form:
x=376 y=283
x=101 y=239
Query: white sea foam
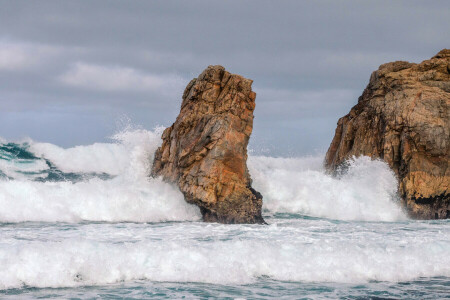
x=130 y=196
x=293 y=185
x=111 y=158
x=306 y=251
x=292 y=248
x=300 y=185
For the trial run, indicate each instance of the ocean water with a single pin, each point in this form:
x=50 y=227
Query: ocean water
x=87 y=222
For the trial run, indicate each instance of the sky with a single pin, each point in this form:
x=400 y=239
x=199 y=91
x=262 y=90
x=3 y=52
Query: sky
x=76 y=72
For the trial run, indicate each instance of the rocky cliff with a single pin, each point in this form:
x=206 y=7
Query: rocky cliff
x=403 y=117
x=205 y=151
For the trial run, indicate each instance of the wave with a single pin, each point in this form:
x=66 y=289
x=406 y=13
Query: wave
x=99 y=182
x=110 y=182
x=238 y=257
x=366 y=191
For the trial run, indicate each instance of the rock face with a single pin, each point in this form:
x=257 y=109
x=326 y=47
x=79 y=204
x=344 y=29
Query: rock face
x=205 y=151
x=403 y=117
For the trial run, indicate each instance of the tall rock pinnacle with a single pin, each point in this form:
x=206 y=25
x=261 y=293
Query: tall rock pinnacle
x=205 y=151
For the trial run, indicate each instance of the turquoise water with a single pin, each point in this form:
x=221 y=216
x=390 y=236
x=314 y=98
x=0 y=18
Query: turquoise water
x=435 y=288
x=88 y=222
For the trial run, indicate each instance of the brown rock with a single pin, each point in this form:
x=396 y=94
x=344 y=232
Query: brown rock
x=205 y=151
x=403 y=117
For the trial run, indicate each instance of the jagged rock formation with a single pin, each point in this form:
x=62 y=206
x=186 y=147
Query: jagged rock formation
x=205 y=151
x=403 y=117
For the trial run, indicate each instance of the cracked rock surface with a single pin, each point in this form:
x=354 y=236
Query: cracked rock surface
x=403 y=117
x=205 y=151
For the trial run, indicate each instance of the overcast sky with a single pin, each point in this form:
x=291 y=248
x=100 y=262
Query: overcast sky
x=74 y=72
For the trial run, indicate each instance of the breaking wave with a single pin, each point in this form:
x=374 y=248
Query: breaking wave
x=100 y=182
x=366 y=191
x=110 y=182
x=62 y=213
x=242 y=260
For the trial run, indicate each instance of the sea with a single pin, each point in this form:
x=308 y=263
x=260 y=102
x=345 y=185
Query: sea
x=88 y=222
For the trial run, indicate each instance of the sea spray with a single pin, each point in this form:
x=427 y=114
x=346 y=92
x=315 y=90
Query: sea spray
x=301 y=250
x=337 y=230
x=127 y=194
x=366 y=191
x=110 y=182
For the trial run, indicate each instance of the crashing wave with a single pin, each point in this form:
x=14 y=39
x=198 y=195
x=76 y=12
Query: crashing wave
x=110 y=182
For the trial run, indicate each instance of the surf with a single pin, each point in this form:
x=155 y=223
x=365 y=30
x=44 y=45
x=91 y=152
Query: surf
x=110 y=182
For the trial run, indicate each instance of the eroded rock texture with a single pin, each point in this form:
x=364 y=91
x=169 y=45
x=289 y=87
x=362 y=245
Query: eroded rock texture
x=205 y=151
x=403 y=117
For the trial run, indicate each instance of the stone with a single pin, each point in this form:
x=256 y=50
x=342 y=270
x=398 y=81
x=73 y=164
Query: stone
x=403 y=118
x=205 y=151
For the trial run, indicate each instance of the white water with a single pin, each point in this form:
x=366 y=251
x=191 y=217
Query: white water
x=300 y=185
x=354 y=230
x=295 y=250
x=292 y=185
x=130 y=196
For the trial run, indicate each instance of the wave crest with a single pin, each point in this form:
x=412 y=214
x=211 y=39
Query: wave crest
x=110 y=182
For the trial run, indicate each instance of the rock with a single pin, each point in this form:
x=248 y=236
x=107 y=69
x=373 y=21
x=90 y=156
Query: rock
x=403 y=117
x=205 y=151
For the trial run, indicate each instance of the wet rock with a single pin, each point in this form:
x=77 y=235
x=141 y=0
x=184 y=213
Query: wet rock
x=403 y=117
x=205 y=151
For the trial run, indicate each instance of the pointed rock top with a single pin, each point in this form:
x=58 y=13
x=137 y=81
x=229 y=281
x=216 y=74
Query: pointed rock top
x=205 y=151
x=443 y=53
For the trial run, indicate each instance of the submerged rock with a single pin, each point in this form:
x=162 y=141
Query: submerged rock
x=205 y=151
x=403 y=117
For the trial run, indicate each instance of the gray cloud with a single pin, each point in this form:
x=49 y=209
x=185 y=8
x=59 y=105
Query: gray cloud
x=69 y=70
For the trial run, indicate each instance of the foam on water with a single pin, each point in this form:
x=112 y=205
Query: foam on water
x=128 y=196
x=346 y=229
x=303 y=251
x=131 y=151
x=294 y=185
x=366 y=191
